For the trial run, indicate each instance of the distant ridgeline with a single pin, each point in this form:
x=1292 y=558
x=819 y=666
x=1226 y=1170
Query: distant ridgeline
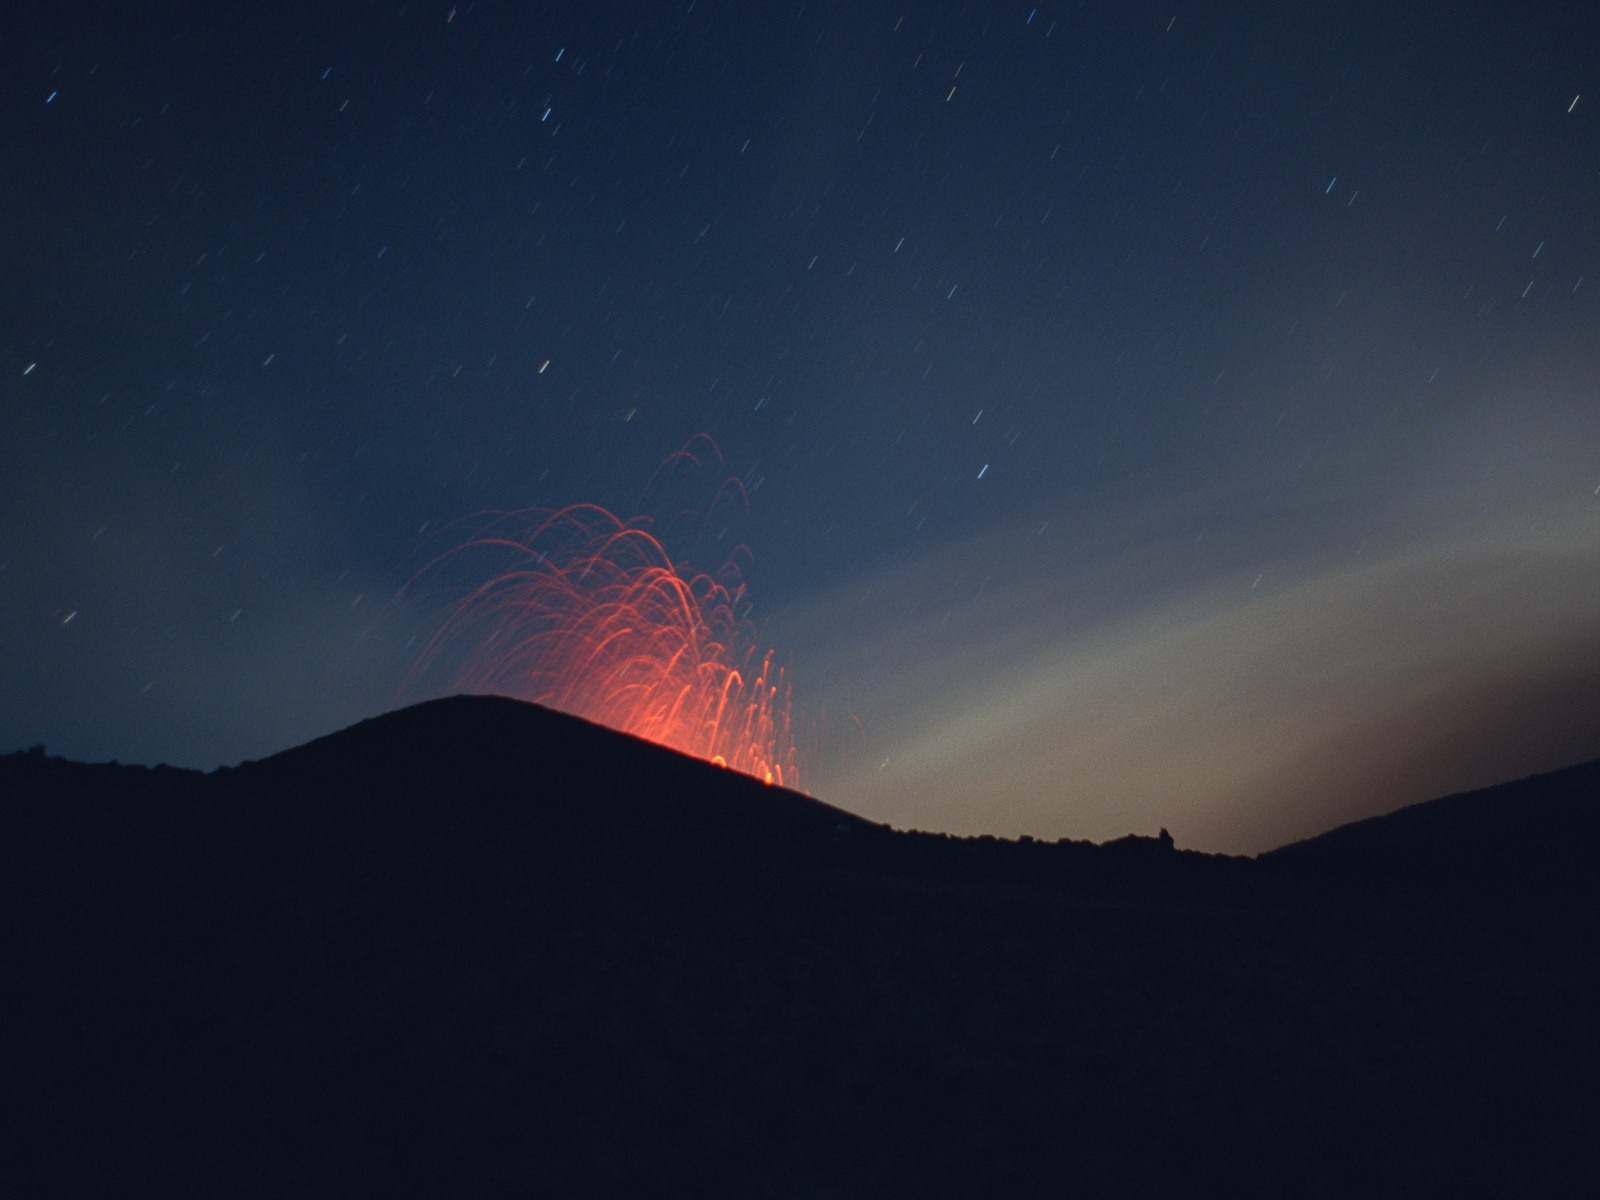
x=478 y=947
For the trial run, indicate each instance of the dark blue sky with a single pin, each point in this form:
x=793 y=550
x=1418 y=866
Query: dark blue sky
x=1038 y=335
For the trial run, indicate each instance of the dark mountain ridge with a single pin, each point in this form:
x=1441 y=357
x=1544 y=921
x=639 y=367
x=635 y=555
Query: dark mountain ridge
x=480 y=948
x=1527 y=840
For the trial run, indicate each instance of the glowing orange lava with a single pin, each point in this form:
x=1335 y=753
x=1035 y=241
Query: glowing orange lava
x=590 y=615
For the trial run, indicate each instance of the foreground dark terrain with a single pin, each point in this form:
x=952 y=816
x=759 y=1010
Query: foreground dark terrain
x=476 y=948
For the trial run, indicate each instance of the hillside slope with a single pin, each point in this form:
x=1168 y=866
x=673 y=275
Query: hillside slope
x=479 y=949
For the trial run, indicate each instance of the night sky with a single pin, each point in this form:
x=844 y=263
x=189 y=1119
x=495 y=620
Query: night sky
x=1177 y=416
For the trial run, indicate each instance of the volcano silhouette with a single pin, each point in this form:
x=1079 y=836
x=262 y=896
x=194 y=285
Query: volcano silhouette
x=478 y=948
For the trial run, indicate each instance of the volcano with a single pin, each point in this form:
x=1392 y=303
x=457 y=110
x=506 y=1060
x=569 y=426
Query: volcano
x=480 y=948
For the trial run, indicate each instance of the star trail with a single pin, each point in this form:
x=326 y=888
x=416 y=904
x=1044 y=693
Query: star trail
x=1180 y=416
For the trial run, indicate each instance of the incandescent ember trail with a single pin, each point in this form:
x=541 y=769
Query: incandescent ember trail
x=589 y=614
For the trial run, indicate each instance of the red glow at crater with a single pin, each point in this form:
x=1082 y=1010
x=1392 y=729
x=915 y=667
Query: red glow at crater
x=589 y=614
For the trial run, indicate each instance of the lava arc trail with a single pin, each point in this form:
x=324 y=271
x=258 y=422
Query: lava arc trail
x=589 y=614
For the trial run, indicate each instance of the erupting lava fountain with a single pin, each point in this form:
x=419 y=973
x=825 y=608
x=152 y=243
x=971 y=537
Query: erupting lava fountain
x=590 y=615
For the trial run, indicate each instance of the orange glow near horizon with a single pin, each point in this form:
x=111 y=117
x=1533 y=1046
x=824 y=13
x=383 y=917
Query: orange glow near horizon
x=590 y=615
